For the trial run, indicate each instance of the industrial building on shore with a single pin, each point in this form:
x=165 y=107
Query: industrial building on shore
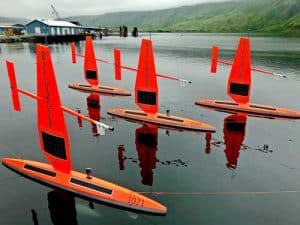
x=7 y=29
x=52 y=27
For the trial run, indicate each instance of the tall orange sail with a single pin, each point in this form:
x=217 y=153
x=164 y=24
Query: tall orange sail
x=146 y=89
x=52 y=129
x=239 y=82
x=90 y=64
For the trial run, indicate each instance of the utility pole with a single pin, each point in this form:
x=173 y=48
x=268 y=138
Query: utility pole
x=57 y=16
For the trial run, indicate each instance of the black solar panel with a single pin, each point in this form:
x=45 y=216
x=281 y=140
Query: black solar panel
x=40 y=170
x=170 y=118
x=146 y=97
x=226 y=103
x=91 y=186
x=136 y=113
x=91 y=75
x=239 y=89
x=262 y=107
x=54 y=145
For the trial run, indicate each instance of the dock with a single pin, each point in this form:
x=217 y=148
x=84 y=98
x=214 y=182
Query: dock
x=45 y=39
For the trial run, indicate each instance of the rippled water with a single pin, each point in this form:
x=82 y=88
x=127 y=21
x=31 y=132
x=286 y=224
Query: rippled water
x=193 y=173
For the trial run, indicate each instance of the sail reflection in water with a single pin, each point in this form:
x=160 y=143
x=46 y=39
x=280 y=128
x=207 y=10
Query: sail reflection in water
x=62 y=208
x=234 y=132
x=146 y=141
x=146 y=147
x=93 y=108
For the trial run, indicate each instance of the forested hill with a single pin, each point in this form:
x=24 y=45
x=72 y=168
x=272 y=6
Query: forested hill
x=267 y=16
x=280 y=16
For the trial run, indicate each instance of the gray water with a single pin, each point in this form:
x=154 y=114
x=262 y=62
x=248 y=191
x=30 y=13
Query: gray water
x=194 y=181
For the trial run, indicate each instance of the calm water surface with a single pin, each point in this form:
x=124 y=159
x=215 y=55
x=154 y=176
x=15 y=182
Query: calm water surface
x=194 y=173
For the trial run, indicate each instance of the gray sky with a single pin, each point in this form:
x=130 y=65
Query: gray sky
x=41 y=8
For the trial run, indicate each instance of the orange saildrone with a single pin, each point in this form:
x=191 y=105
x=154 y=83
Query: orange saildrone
x=91 y=72
x=146 y=97
x=54 y=142
x=239 y=86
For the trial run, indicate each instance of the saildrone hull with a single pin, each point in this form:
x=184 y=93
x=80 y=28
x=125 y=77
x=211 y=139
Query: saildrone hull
x=78 y=183
x=100 y=89
x=163 y=120
x=253 y=109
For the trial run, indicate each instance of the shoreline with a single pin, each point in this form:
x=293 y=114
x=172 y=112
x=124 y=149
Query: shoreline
x=69 y=38
x=44 y=39
x=252 y=33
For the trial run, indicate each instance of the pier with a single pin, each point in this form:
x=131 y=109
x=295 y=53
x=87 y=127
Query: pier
x=46 y=39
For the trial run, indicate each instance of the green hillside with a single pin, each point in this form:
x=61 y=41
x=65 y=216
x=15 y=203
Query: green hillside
x=262 y=16
x=276 y=16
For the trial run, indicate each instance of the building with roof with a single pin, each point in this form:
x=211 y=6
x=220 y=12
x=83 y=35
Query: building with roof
x=11 y=29
x=52 y=28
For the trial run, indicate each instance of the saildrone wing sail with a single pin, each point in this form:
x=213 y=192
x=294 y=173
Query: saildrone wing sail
x=239 y=82
x=51 y=124
x=90 y=64
x=146 y=89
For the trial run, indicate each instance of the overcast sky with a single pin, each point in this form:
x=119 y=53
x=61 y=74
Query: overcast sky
x=42 y=8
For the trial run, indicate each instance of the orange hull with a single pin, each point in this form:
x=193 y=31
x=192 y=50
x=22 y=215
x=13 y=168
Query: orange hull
x=100 y=89
x=162 y=120
x=75 y=182
x=253 y=109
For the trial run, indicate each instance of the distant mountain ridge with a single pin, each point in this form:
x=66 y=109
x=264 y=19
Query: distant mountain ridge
x=265 y=16
x=282 y=16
